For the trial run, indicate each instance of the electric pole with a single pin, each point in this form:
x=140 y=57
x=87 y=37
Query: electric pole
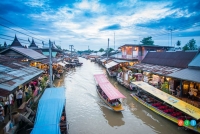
x=108 y=49
x=114 y=40
x=171 y=34
x=50 y=64
x=70 y=47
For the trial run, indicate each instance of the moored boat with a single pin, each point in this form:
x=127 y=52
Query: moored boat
x=51 y=116
x=108 y=93
x=168 y=106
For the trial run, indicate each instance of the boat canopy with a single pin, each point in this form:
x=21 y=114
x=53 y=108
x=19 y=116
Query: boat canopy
x=103 y=60
x=173 y=101
x=107 y=87
x=49 y=111
x=111 y=64
x=62 y=64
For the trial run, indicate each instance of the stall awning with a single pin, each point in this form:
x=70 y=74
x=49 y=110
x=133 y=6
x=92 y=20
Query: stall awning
x=175 y=102
x=62 y=64
x=187 y=74
x=103 y=60
x=121 y=61
x=111 y=64
x=49 y=111
x=107 y=87
x=157 y=69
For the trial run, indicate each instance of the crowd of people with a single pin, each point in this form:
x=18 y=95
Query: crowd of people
x=15 y=100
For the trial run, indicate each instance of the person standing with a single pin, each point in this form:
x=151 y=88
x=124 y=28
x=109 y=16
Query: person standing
x=6 y=103
x=19 y=95
x=11 y=99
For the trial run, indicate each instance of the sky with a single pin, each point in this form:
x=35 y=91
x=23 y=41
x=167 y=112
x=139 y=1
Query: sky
x=89 y=23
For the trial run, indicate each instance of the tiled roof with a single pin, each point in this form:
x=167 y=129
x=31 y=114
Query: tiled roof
x=33 y=45
x=29 y=53
x=187 y=74
x=179 y=59
x=16 y=43
x=157 y=69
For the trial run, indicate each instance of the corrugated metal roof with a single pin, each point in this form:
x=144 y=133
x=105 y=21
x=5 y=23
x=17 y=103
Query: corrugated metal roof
x=120 y=61
x=29 y=52
x=162 y=70
x=111 y=64
x=187 y=74
x=179 y=59
x=195 y=62
x=11 y=78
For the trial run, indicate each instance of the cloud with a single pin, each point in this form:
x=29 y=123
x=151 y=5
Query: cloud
x=111 y=27
x=91 y=22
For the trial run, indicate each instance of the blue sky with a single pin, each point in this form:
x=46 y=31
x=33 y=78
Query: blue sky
x=84 y=23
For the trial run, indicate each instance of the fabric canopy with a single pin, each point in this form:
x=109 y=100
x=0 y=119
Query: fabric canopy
x=175 y=102
x=103 y=60
x=111 y=64
x=62 y=64
x=107 y=87
x=49 y=111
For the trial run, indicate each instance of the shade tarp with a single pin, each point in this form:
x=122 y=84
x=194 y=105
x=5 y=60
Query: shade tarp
x=173 y=101
x=111 y=64
x=62 y=64
x=107 y=87
x=103 y=60
x=49 y=111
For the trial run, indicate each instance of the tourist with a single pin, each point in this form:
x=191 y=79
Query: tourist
x=19 y=95
x=11 y=99
x=178 y=91
x=5 y=105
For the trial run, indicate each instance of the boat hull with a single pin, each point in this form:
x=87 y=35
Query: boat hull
x=160 y=112
x=115 y=108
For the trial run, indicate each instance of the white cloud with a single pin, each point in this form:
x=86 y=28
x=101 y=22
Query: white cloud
x=70 y=26
x=93 y=6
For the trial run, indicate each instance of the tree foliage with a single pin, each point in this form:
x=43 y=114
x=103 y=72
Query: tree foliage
x=191 y=45
x=147 y=41
x=178 y=43
x=101 y=50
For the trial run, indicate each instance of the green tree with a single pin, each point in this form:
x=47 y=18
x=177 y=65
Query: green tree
x=111 y=49
x=147 y=41
x=101 y=50
x=191 y=45
x=178 y=43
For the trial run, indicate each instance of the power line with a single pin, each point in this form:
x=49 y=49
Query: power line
x=18 y=31
x=18 y=26
x=17 y=38
x=12 y=40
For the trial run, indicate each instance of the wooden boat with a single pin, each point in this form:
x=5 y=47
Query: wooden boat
x=51 y=116
x=108 y=93
x=167 y=106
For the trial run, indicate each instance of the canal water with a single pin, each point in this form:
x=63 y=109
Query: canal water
x=88 y=114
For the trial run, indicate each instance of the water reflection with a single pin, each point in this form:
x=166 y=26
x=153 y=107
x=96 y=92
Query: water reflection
x=88 y=114
x=113 y=118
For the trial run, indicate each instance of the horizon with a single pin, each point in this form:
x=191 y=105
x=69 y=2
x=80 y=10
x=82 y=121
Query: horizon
x=90 y=23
